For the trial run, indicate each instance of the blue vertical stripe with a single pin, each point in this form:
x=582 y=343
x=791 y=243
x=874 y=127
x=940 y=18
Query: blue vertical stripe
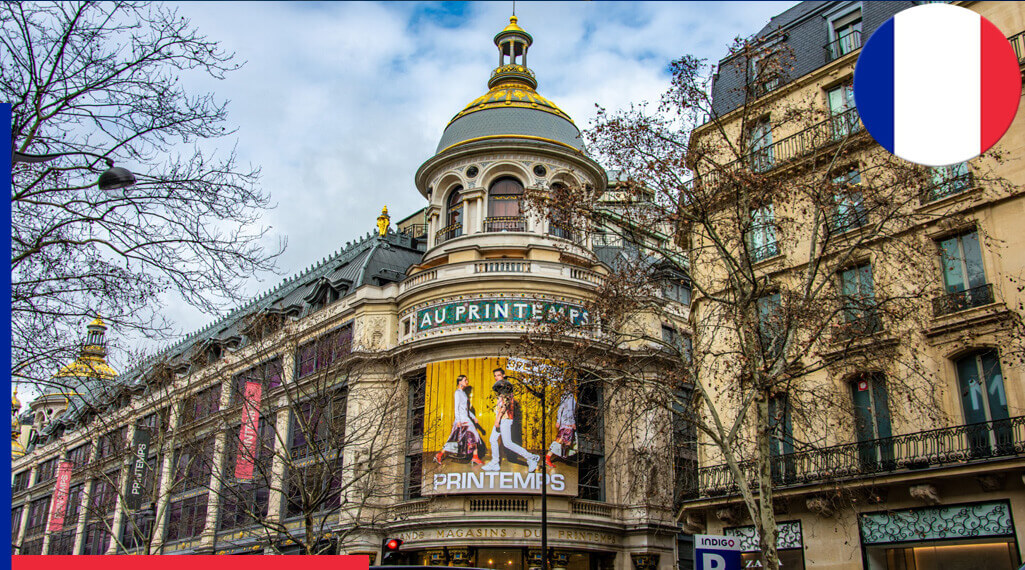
x=5 y=284
x=873 y=85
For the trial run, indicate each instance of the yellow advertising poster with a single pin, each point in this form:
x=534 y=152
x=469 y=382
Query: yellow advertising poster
x=483 y=427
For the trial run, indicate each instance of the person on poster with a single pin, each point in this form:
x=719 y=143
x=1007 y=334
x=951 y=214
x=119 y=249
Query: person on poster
x=505 y=411
x=464 y=437
x=566 y=429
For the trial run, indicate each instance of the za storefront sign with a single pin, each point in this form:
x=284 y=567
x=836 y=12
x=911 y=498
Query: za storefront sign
x=713 y=552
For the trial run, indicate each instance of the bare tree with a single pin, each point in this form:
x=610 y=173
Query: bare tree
x=808 y=263
x=91 y=83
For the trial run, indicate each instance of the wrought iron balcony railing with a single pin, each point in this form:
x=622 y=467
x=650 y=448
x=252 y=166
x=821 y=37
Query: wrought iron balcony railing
x=865 y=324
x=930 y=449
x=1018 y=43
x=960 y=300
x=947 y=187
x=804 y=142
x=414 y=230
x=764 y=252
x=505 y=224
x=559 y=231
x=448 y=232
x=843 y=46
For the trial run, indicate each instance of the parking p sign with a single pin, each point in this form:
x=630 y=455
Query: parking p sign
x=713 y=552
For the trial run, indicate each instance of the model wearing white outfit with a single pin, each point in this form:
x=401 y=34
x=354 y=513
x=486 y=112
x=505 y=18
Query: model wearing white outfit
x=503 y=428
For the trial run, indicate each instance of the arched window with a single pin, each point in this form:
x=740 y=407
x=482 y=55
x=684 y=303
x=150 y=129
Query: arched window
x=453 y=217
x=504 y=213
x=984 y=401
x=560 y=222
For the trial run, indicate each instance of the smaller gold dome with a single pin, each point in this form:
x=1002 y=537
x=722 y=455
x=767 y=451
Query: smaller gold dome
x=513 y=27
x=98 y=322
x=15 y=402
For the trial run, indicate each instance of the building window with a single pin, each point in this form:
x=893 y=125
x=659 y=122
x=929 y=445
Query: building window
x=984 y=402
x=504 y=214
x=31 y=547
x=47 y=470
x=186 y=517
x=762 y=236
x=416 y=396
x=964 y=277
x=192 y=466
x=319 y=426
x=685 y=453
x=314 y=487
x=201 y=405
x=62 y=542
x=20 y=482
x=97 y=538
x=111 y=443
x=872 y=421
x=948 y=181
x=591 y=441
x=560 y=223
x=761 y=79
x=844 y=35
x=859 y=303
x=677 y=290
x=325 y=351
x=16 y=522
x=267 y=375
x=79 y=456
x=771 y=328
x=781 y=444
x=104 y=496
x=848 y=204
x=843 y=118
x=760 y=142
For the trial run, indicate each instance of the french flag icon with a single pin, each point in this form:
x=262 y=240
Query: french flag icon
x=937 y=84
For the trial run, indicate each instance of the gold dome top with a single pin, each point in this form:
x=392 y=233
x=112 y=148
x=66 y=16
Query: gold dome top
x=15 y=402
x=513 y=27
x=87 y=367
x=512 y=95
x=98 y=322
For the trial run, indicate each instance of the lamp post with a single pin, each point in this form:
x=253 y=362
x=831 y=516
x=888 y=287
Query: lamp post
x=111 y=179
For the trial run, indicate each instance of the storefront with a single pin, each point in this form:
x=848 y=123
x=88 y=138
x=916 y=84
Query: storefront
x=509 y=558
x=957 y=537
x=789 y=545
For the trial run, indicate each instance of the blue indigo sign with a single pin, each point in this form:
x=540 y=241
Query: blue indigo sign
x=500 y=310
x=713 y=552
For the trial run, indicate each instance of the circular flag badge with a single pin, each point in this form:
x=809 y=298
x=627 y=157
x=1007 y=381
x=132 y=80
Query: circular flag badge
x=937 y=84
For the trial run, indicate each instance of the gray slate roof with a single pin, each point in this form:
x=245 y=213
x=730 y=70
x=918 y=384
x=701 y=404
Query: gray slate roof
x=372 y=260
x=804 y=30
x=511 y=121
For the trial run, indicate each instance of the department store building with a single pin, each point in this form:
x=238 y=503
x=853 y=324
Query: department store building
x=447 y=292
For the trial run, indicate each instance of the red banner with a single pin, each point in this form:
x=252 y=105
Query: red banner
x=248 y=436
x=59 y=503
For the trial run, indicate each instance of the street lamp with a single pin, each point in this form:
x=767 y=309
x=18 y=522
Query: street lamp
x=111 y=179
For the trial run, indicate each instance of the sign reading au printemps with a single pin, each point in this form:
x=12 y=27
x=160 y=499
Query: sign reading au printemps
x=499 y=310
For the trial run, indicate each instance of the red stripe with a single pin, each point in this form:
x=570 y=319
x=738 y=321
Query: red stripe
x=347 y=562
x=1000 y=84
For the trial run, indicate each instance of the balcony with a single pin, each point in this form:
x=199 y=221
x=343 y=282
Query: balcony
x=959 y=445
x=961 y=300
x=843 y=46
x=448 y=232
x=414 y=230
x=1018 y=43
x=819 y=135
x=564 y=232
x=946 y=188
x=767 y=251
x=505 y=224
x=865 y=324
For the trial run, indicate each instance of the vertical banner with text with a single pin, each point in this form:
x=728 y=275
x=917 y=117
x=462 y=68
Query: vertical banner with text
x=59 y=503
x=139 y=469
x=248 y=439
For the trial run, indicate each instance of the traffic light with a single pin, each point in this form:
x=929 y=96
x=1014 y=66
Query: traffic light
x=390 y=551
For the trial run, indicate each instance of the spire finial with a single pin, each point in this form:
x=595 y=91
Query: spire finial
x=383 y=221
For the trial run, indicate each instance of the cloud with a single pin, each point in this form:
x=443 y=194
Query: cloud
x=340 y=103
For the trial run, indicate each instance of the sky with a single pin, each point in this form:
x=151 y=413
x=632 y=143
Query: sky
x=340 y=103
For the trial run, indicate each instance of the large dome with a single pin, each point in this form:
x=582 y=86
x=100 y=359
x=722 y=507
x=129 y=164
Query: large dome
x=512 y=108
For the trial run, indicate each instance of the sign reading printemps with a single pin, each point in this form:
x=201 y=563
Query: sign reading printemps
x=500 y=310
